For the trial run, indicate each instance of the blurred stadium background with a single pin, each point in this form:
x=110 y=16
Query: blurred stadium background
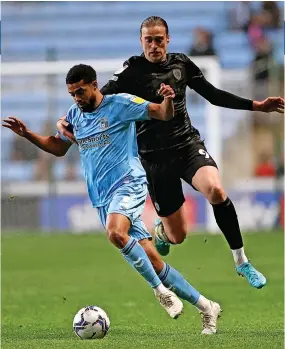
x=239 y=45
x=46 y=278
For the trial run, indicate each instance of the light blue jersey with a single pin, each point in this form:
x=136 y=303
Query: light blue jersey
x=107 y=143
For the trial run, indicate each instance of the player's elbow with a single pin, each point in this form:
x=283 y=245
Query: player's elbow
x=61 y=152
x=58 y=152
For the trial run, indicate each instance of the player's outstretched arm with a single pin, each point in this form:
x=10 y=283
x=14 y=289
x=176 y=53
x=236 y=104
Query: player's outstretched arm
x=50 y=144
x=165 y=110
x=228 y=100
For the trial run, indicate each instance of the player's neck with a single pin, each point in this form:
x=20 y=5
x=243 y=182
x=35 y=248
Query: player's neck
x=98 y=99
x=161 y=62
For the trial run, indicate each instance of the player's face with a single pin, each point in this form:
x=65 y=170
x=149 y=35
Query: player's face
x=83 y=94
x=154 y=41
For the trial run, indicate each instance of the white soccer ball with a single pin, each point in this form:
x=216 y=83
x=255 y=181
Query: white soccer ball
x=91 y=322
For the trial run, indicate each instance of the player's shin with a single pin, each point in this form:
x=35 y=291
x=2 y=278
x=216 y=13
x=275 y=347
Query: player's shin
x=136 y=256
x=227 y=221
x=174 y=281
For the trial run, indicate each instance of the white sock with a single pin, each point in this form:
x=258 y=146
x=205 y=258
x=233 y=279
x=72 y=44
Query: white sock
x=239 y=256
x=203 y=304
x=160 y=289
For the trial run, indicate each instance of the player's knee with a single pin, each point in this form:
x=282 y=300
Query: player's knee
x=217 y=194
x=117 y=237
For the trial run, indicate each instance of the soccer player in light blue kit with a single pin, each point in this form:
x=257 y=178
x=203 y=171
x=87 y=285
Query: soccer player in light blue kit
x=104 y=129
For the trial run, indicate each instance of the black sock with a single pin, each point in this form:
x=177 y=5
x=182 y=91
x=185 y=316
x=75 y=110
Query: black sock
x=227 y=221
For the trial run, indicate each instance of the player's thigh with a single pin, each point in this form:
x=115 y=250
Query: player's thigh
x=153 y=255
x=207 y=181
x=196 y=157
x=201 y=171
x=115 y=224
x=129 y=201
x=164 y=186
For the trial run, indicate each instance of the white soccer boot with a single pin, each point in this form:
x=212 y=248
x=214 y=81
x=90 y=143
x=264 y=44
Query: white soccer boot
x=209 y=318
x=170 y=302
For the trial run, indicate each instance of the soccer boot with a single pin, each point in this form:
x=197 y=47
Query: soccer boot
x=170 y=302
x=254 y=277
x=159 y=237
x=209 y=319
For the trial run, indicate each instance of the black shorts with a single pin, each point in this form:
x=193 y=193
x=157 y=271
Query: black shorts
x=164 y=176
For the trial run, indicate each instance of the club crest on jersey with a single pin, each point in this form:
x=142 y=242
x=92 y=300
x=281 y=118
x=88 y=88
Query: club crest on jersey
x=177 y=74
x=103 y=123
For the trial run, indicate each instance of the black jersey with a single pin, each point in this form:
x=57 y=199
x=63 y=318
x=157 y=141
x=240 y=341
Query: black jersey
x=143 y=78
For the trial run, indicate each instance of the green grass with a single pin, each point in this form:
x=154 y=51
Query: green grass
x=46 y=279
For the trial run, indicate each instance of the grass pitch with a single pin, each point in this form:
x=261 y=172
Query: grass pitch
x=46 y=279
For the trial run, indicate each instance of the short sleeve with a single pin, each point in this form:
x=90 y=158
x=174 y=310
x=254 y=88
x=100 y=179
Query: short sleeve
x=134 y=108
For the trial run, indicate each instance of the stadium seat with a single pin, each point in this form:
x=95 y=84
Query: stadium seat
x=18 y=171
x=231 y=40
x=235 y=59
x=31 y=29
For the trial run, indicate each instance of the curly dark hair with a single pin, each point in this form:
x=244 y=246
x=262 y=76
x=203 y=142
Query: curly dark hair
x=81 y=72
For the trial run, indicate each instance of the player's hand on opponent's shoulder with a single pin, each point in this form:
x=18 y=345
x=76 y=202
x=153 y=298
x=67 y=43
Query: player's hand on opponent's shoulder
x=62 y=126
x=166 y=91
x=270 y=104
x=15 y=125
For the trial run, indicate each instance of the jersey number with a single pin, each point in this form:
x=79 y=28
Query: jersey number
x=203 y=152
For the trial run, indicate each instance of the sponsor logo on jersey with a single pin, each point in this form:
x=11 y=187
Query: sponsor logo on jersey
x=94 y=142
x=177 y=74
x=138 y=100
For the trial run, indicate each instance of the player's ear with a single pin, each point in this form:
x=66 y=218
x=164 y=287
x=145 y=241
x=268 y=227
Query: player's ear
x=168 y=39
x=95 y=84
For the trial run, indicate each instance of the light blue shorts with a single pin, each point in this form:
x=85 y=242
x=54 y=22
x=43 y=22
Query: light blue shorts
x=128 y=200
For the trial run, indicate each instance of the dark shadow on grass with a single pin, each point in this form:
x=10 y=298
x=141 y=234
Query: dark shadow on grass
x=142 y=331
x=23 y=332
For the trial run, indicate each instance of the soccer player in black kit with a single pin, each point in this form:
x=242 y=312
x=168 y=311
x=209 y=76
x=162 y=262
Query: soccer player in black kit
x=173 y=151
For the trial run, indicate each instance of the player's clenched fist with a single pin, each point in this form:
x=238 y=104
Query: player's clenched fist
x=15 y=125
x=166 y=91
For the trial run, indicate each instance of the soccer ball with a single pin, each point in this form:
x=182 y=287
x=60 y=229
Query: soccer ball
x=91 y=322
